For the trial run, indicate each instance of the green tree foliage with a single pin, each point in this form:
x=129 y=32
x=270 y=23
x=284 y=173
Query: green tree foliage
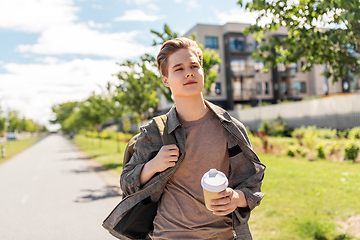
x=2 y=122
x=95 y=111
x=63 y=111
x=137 y=88
x=14 y=121
x=337 y=46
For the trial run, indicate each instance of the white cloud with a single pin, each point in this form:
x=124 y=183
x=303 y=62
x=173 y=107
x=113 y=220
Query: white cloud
x=79 y=39
x=235 y=15
x=92 y=24
x=33 y=89
x=35 y=15
x=137 y=15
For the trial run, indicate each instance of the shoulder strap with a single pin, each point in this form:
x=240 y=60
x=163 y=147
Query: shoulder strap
x=161 y=122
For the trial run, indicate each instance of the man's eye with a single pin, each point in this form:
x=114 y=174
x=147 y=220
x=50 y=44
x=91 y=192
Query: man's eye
x=195 y=66
x=178 y=69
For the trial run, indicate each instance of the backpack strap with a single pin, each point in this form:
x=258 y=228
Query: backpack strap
x=161 y=122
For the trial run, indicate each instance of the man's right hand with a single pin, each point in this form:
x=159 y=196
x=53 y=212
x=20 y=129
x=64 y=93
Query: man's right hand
x=165 y=158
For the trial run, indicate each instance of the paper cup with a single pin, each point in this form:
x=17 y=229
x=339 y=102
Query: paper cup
x=212 y=183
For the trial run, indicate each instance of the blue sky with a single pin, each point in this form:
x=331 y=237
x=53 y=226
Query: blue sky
x=54 y=51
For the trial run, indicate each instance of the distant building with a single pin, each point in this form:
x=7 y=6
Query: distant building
x=241 y=79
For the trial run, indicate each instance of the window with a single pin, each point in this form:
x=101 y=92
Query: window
x=258 y=88
x=237 y=43
x=211 y=42
x=296 y=67
x=266 y=88
x=302 y=64
x=300 y=87
x=218 y=88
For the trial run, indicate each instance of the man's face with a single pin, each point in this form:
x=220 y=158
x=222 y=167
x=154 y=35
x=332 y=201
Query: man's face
x=185 y=75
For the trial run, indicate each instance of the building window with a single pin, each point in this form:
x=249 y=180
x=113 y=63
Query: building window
x=300 y=87
x=302 y=64
x=211 y=42
x=266 y=88
x=258 y=88
x=218 y=88
x=295 y=67
x=237 y=43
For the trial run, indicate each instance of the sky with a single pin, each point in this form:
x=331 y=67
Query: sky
x=56 y=51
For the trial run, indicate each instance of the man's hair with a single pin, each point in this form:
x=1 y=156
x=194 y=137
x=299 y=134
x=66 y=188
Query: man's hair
x=171 y=46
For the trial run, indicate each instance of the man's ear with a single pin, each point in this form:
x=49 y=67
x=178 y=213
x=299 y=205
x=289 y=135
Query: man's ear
x=165 y=81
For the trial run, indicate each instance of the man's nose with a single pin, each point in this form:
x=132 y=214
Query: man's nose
x=189 y=75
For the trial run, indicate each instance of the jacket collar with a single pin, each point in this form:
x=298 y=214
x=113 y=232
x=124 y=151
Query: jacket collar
x=173 y=121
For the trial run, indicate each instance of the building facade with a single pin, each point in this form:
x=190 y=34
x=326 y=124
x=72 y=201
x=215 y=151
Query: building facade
x=241 y=80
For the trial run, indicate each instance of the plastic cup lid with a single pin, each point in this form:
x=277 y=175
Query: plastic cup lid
x=214 y=181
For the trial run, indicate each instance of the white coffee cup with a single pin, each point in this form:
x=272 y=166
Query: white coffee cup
x=213 y=182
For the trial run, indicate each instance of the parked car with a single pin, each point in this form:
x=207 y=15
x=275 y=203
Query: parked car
x=11 y=136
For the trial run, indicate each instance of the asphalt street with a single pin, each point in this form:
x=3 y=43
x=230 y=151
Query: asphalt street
x=52 y=191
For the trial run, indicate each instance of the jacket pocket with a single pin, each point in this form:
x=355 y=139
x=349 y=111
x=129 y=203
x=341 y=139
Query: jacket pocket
x=241 y=168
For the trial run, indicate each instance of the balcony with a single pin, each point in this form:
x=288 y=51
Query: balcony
x=288 y=71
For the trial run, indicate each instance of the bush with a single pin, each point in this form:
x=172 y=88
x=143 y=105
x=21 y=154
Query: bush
x=351 y=150
x=320 y=150
x=326 y=133
x=265 y=127
x=108 y=134
x=279 y=127
x=291 y=150
x=354 y=133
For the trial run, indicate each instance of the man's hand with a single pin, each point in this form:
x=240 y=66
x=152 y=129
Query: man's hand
x=165 y=158
x=229 y=201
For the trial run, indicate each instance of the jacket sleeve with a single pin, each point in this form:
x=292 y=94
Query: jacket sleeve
x=251 y=173
x=146 y=147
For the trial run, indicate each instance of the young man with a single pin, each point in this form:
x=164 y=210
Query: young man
x=207 y=137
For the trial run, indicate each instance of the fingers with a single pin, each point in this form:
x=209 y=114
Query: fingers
x=171 y=150
x=224 y=205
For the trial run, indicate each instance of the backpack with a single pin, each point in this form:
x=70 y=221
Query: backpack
x=166 y=138
x=138 y=222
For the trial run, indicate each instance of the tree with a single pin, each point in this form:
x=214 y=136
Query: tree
x=64 y=111
x=322 y=31
x=210 y=57
x=2 y=122
x=137 y=88
x=95 y=111
x=14 y=121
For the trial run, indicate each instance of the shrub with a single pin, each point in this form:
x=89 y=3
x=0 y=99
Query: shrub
x=291 y=150
x=320 y=150
x=126 y=125
x=351 y=150
x=279 y=127
x=326 y=133
x=108 y=134
x=354 y=133
x=265 y=127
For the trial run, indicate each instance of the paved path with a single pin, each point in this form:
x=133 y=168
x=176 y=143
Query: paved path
x=52 y=191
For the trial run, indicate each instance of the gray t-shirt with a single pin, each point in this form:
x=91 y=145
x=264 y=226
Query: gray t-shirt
x=181 y=211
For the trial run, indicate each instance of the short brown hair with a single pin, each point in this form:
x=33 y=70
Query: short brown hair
x=171 y=46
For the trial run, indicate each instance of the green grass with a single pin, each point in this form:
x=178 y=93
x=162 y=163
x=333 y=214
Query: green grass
x=303 y=198
x=14 y=147
x=109 y=153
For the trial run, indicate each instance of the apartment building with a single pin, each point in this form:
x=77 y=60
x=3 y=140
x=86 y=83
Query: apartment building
x=241 y=80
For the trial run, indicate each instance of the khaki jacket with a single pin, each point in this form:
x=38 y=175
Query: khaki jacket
x=246 y=171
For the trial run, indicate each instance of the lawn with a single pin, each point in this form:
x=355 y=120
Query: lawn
x=303 y=199
x=14 y=147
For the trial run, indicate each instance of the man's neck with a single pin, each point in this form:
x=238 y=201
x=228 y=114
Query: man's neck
x=191 y=109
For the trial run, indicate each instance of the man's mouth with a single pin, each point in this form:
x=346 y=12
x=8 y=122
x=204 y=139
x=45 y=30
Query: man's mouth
x=190 y=82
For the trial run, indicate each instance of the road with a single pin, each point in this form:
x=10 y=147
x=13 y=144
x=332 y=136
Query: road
x=52 y=191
